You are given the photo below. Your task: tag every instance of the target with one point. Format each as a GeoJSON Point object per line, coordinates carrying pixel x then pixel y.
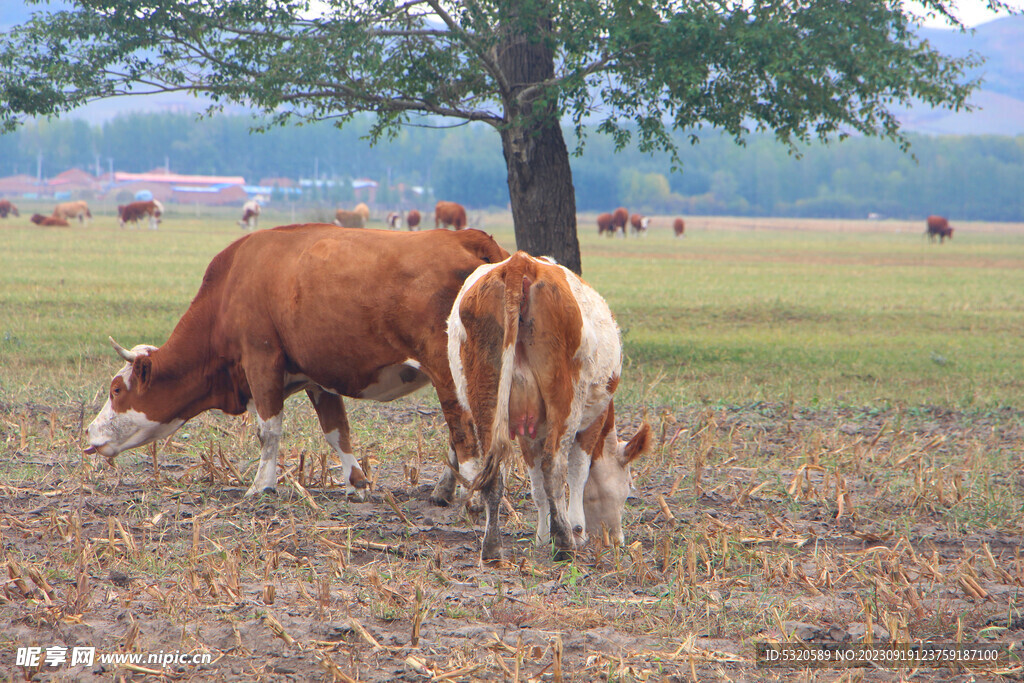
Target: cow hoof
{"type": "Point", "coordinates": [491, 553]}
{"type": "Point", "coordinates": [269, 490]}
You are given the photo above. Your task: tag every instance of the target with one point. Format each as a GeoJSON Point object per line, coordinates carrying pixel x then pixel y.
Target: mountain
{"type": "Point", "coordinates": [999, 101]}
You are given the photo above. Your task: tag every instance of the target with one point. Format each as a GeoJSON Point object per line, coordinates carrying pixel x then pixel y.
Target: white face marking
{"type": "Point", "coordinates": [112, 432]}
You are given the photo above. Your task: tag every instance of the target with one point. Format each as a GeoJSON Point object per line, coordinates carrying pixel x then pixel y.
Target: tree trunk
{"type": "Point", "coordinates": [539, 177]}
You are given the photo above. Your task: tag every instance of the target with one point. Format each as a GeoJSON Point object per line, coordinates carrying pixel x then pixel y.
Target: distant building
{"type": "Point", "coordinates": [20, 186]}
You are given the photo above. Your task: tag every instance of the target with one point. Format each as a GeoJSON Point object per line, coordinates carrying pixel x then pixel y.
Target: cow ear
{"type": "Point", "coordinates": [638, 445]}
{"type": "Point", "coordinates": [142, 371]}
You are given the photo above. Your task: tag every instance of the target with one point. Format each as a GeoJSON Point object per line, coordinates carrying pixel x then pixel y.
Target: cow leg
{"type": "Point", "coordinates": [330, 409]}
{"type": "Point", "coordinates": [269, 432]}
{"type": "Point", "coordinates": [578, 473]}
{"type": "Point", "coordinates": [462, 448]}
{"type": "Point", "coordinates": [540, 499]}
{"type": "Point", "coordinates": [554, 489]}
{"type": "Point", "coordinates": [491, 549]}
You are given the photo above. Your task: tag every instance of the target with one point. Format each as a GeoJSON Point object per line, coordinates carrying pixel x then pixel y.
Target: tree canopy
{"type": "Point", "coordinates": [801, 70]}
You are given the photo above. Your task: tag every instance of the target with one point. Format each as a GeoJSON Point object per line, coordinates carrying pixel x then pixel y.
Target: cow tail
{"type": "Point", "coordinates": [517, 286]}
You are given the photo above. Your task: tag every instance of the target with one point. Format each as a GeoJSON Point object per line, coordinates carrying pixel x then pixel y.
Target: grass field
{"type": "Point", "coordinates": [840, 442]}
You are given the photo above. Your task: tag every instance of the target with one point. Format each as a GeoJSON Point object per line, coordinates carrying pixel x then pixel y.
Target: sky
{"type": "Point", "coordinates": [971, 12]}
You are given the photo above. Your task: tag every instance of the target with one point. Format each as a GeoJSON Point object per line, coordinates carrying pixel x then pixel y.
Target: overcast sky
{"type": "Point", "coordinates": [971, 12]}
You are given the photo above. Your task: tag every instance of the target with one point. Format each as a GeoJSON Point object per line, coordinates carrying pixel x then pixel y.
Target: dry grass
{"type": "Point", "coordinates": [758, 523]}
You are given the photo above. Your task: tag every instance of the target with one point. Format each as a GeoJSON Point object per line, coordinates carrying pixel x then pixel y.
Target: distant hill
{"type": "Point", "coordinates": [1000, 100]}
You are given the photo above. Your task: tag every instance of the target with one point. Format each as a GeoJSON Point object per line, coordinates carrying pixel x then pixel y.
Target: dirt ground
{"type": "Point", "coordinates": [752, 524]}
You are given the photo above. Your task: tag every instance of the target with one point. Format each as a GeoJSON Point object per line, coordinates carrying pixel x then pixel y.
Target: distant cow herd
{"type": "Point", "coordinates": [447, 214]}
{"type": "Point", "coordinates": [619, 220]}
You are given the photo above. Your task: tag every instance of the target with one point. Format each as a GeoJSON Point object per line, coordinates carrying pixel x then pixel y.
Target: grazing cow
{"type": "Point", "coordinates": [679, 227]}
{"type": "Point", "coordinates": [412, 219]}
{"type": "Point", "coordinates": [349, 219]}
{"type": "Point", "coordinates": [604, 224]}
{"type": "Point", "coordinates": [250, 215]}
{"type": "Point", "coordinates": [639, 224]}
{"type": "Point", "coordinates": [393, 220]}
{"type": "Point", "coordinates": [536, 355]}
{"type": "Point", "coordinates": [450, 214]}
{"type": "Point", "coordinates": [619, 219]}
{"type": "Point", "coordinates": [357, 313]}
{"type": "Point", "coordinates": [77, 209]}
{"type": "Point", "coordinates": [363, 210]}
{"type": "Point", "coordinates": [54, 221]}
{"type": "Point", "coordinates": [937, 226]}
{"type": "Point", "coordinates": [6, 207]}
{"type": "Point", "coordinates": [135, 211]}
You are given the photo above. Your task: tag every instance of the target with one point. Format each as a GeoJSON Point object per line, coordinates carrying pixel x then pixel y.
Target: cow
{"type": "Point", "coordinates": [679, 227]}
{"type": "Point", "coordinates": [77, 209]}
{"type": "Point", "coordinates": [363, 210]}
{"type": "Point", "coordinates": [349, 219]}
{"type": "Point", "coordinates": [937, 226]}
{"type": "Point", "coordinates": [536, 356]}
{"type": "Point", "coordinates": [6, 207]}
{"type": "Point", "coordinates": [250, 215]}
{"type": "Point", "coordinates": [358, 313]}
{"type": "Point", "coordinates": [604, 224]}
{"type": "Point", "coordinates": [52, 221]}
{"type": "Point", "coordinates": [135, 211]}
{"type": "Point", "coordinates": [393, 220]}
{"type": "Point", "coordinates": [450, 214]}
{"type": "Point", "coordinates": [412, 219]}
{"type": "Point", "coordinates": [639, 224]}
{"type": "Point", "coordinates": [620, 217]}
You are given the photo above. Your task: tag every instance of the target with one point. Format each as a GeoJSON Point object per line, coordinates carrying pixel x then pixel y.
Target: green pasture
{"type": "Point", "coordinates": [727, 315]}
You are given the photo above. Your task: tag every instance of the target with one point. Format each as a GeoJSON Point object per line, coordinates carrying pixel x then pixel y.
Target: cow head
{"type": "Point", "coordinates": [124, 421]}
{"type": "Point", "coordinates": [611, 482]}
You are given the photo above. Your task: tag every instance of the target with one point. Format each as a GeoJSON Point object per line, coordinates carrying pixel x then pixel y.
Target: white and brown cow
{"type": "Point", "coordinates": [68, 210]}
{"type": "Point", "coordinates": [536, 356]}
{"type": "Point", "coordinates": [357, 313]}
{"type": "Point", "coordinates": [639, 223]}
{"type": "Point", "coordinates": [349, 219]}
{"type": "Point", "coordinates": [250, 215]}
{"type": "Point", "coordinates": [136, 211]}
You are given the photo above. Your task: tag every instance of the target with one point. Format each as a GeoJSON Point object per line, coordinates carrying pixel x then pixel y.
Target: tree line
{"type": "Point", "coordinates": [969, 177]}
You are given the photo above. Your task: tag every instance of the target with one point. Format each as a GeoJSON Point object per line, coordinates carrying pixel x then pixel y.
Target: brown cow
{"type": "Point", "coordinates": [6, 207]}
{"type": "Point", "coordinates": [450, 214]}
{"type": "Point", "coordinates": [937, 226]}
{"type": "Point", "coordinates": [77, 209]}
{"type": "Point", "coordinates": [136, 211]}
{"type": "Point", "coordinates": [604, 224]}
{"type": "Point", "coordinates": [619, 219]}
{"type": "Point", "coordinates": [357, 313]}
{"type": "Point", "coordinates": [679, 227]}
{"type": "Point", "coordinates": [639, 224]}
{"type": "Point", "coordinates": [412, 219]}
{"type": "Point", "coordinates": [535, 354]}
{"type": "Point", "coordinates": [363, 210]}
{"type": "Point", "coordinates": [54, 221]}
{"type": "Point", "coordinates": [349, 219]}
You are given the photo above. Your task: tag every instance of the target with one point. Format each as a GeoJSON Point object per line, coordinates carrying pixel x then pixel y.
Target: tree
{"type": "Point", "coordinates": [802, 70]}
